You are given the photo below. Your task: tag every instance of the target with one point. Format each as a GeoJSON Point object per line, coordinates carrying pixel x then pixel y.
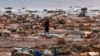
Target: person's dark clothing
{"type": "Point", "coordinates": [37, 53]}
{"type": "Point", "coordinates": [46, 25]}
{"type": "Point", "coordinates": [55, 52]}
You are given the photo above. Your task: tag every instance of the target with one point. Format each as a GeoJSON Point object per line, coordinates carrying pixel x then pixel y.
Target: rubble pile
{"type": "Point", "coordinates": [69, 36]}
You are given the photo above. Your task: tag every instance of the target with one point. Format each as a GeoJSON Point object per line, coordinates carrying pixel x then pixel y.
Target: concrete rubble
{"type": "Point", "coordinates": [71, 36]}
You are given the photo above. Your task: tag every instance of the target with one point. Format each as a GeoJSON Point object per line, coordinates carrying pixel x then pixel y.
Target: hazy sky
{"type": "Point", "coordinates": [39, 4]}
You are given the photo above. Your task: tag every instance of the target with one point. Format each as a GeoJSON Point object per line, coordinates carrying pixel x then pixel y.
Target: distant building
{"type": "Point", "coordinates": [8, 10]}
{"type": "Point", "coordinates": [45, 10]}
{"type": "Point", "coordinates": [59, 11]}
{"type": "Point", "coordinates": [83, 12]}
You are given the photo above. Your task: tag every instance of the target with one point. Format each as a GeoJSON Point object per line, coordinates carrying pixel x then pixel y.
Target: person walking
{"type": "Point", "coordinates": [46, 25]}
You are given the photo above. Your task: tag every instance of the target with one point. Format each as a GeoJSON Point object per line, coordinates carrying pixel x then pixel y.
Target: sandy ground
{"type": "Point", "coordinates": [5, 54]}
{"type": "Point", "coordinates": [7, 44]}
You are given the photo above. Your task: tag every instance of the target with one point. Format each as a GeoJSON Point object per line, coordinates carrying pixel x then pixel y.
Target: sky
{"type": "Point", "coordinates": [48, 4]}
